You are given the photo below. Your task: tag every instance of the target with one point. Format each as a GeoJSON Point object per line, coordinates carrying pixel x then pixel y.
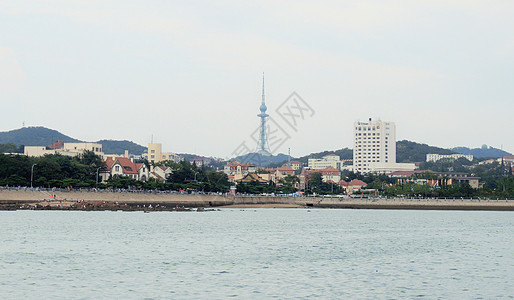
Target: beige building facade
{"type": "Point", "coordinates": [68, 149]}
{"type": "Point", "coordinates": [155, 154]}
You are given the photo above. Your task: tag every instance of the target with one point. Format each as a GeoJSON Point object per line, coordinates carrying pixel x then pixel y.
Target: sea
{"type": "Point", "coordinates": [257, 254]}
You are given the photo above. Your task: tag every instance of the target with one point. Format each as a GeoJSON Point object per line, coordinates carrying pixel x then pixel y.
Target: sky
{"type": "Point", "coordinates": [188, 74]}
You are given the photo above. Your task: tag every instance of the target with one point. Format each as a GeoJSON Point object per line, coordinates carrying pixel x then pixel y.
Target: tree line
{"type": "Point", "coordinates": [55, 170]}
{"type": "Point", "coordinates": [50, 170]}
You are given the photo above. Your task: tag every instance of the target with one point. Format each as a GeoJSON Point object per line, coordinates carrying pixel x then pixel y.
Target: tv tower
{"type": "Point", "coordinates": [262, 144]}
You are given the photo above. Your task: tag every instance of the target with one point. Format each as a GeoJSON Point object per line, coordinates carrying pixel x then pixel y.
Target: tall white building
{"type": "Point", "coordinates": [374, 144]}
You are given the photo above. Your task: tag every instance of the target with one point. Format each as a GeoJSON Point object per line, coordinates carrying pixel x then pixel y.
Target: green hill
{"type": "Point", "coordinates": [408, 152]}
{"type": "Point", "coordinates": [344, 153]}
{"type": "Point", "coordinates": [119, 147]}
{"type": "Point", "coordinates": [42, 136]}
{"type": "Point", "coordinates": [34, 136]}
{"type": "Point", "coordinates": [484, 152]}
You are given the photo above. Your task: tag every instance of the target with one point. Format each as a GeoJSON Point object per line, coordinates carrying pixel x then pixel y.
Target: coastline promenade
{"type": "Point", "coordinates": [11, 199]}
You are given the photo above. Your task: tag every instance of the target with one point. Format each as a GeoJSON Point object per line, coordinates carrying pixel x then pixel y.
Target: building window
{"type": "Point", "coordinates": [153, 151]}
{"type": "Point", "coordinates": [117, 168]}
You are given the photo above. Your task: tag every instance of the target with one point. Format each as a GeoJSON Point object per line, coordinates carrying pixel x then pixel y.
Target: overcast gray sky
{"type": "Point", "coordinates": [189, 72]}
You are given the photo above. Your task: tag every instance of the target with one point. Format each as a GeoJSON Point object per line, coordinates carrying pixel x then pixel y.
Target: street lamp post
{"type": "Point", "coordinates": [97, 169]}
{"type": "Point", "coordinates": [32, 174]}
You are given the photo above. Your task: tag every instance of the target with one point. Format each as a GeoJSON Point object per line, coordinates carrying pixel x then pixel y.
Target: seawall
{"type": "Point", "coordinates": [17, 197]}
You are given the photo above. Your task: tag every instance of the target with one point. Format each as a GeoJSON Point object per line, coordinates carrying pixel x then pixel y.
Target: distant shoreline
{"type": "Point", "coordinates": [127, 201]}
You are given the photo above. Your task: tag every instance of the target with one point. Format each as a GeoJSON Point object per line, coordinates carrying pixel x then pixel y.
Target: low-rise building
{"type": "Point", "coordinates": [353, 186]}
{"type": "Point", "coordinates": [236, 170]}
{"type": "Point", "coordinates": [200, 161]}
{"type": "Point", "coordinates": [67, 149]}
{"type": "Point", "coordinates": [154, 154]}
{"type": "Point", "coordinates": [161, 173]}
{"type": "Point", "coordinates": [250, 177]}
{"type": "Point", "coordinates": [330, 160]}
{"type": "Point", "coordinates": [384, 168]}
{"type": "Point", "coordinates": [296, 165]}
{"type": "Point", "coordinates": [328, 174]}
{"type": "Point", "coordinates": [283, 172]}
{"type": "Point", "coordinates": [123, 166]}
{"type": "Point", "coordinates": [437, 157]}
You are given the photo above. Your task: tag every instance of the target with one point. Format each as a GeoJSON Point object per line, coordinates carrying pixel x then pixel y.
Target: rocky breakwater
{"type": "Point", "coordinates": [106, 200]}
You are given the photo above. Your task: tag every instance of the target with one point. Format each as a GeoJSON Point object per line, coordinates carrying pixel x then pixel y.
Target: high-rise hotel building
{"type": "Point", "coordinates": [374, 144]}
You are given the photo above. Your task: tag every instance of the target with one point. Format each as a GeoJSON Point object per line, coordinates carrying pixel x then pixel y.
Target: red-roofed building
{"type": "Point", "coordinates": [161, 173]}
{"type": "Point", "coordinates": [330, 174]}
{"type": "Point", "coordinates": [296, 165]}
{"type": "Point", "coordinates": [238, 170]}
{"type": "Point", "coordinates": [122, 166]}
{"type": "Point", "coordinates": [284, 171]}
{"type": "Point", "coordinates": [327, 174]}
{"type": "Point", "coordinates": [353, 185]}
{"type": "Point", "coordinates": [57, 145]}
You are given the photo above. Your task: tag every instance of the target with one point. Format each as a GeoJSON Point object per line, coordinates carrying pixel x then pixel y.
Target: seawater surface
{"type": "Point", "coordinates": [257, 254]}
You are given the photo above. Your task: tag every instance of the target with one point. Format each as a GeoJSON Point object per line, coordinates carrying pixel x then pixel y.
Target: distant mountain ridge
{"type": "Point", "coordinates": [42, 136]}
{"type": "Point", "coordinates": [34, 136]}
{"type": "Point", "coordinates": [119, 147]}
{"type": "Point", "coordinates": [484, 152]}
{"type": "Point", "coordinates": [406, 152]}
{"type": "Point", "coordinates": [409, 152]}
{"type": "Point", "coordinates": [261, 160]}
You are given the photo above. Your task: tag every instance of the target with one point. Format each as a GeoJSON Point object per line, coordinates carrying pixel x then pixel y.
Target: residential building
{"type": "Point", "coordinates": [384, 168]}
{"type": "Point", "coordinates": [330, 160]}
{"type": "Point", "coordinates": [161, 173]}
{"type": "Point", "coordinates": [328, 174]}
{"type": "Point", "coordinates": [123, 166]}
{"type": "Point", "coordinates": [67, 149]}
{"type": "Point", "coordinates": [236, 170]}
{"type": "Point", "coordinates": [353, 186]}
{"type": "Point", "coordinates": [284, 171]}
{"type": "Point", "coordinates": [439, 178]}
{"type": "Point", "coordinates": [507, 160]}
{"type": "Point", "coordinates": [155, 154]}
{"type": "Point", "coordinates": [296, 165]}
{"type": "Point", "coordinates": [114, 156]}
{"type": "Point", "coordinates": [200, 161]}
{"type": "Point", "coordinates": [437, 157]}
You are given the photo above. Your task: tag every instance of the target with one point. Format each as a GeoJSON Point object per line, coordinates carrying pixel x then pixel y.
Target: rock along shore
{"type": "Point", "coordinates": [129, 201]}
